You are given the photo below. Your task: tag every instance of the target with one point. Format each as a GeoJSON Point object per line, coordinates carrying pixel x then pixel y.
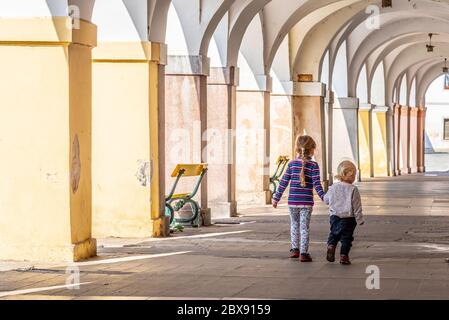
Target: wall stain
{"type": "Point", "coordinates": [143, 174]}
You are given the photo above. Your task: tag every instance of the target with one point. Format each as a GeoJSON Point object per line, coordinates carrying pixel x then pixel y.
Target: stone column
{"type": "Point", "coordinates": [253, 146]}
{"type": "Point", "coordinates": [45, 139]}
{"type": "Point", "coordinates": [345, 132]}
{"type": "Point", "coordinates": [366, 140]}
{"type": "Point", "coordinates": [379, 120]}
{"type": "Point", "coordinates": [127, 87]}
{"type": "Point", "coordinates": [421, 139]}
{"type": "Point", "coordinates": [221, 123]}
{"type": "Point", "coordinates": [309, 118]}
{"type": "Point", "coordinates": [186, 120]}
{"type": "Point", "coordinates": [329, 107]}
{"type": "Point", "coordinates": [413, 145]}
{"type": "Point", "coordinates": [404, 140]}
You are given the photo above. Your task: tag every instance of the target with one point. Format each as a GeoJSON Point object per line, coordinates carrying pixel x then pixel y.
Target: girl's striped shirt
{"type": "Point", "coordinates": [300, 196]}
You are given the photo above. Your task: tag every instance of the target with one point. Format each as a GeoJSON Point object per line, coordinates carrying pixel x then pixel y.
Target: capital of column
{"type": "Point", "coordinates": [346, 103]}
{"type": "Point", "coordinates": [366, 107]}
{"type": "Point", "coordinates": [130, 51]}
{"type": "Point", "coordinates": [224, 76]}
{"type": "Point", "coordinates": [381, 109]}
{"type": "Point", "coordinates": [44, 31]}
{"type": "Point", "coordinates": [188, 65]}
{"type": "Point", "coordinates": [263, 83]}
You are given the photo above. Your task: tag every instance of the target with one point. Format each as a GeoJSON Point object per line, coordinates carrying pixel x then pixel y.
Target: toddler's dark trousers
{"type": "Point", "coordinates": [342, 229]}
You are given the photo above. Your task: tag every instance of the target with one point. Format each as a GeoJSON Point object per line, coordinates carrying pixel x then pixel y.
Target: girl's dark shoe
{"type": "Point", "coordinates": [294, 253]}
{"type": "Point", "coordinates": [345, 260]}
{"type": "Point", "coordinates": [305, 257]}
{"type": "Point", "coordinates": [330, 253]}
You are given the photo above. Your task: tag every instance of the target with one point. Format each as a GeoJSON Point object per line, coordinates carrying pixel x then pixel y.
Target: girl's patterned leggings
{"type": "Point", "coordinates": [300, 227]}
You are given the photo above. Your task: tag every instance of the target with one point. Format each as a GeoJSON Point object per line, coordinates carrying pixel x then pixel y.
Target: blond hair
{"type": "Point", "coordinates": [304, 147]}
{"type": "Point", "coordinates": [346, 170]}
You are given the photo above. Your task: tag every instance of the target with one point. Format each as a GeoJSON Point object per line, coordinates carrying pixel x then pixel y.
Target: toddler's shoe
{"type": "Point", "coordinates": [330, 253]}
{"type": "Point", "coordinates": [305, 257]}
{"type": "Point", "coordinates": [344, 260]}
{"type": "Point", "coordinates": [294, 253]}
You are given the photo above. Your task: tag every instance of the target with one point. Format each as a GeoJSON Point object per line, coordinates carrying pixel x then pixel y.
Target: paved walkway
{"type": "Point", "coordinates": [406, 237]}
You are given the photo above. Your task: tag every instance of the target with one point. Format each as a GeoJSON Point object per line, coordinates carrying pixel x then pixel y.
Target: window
{"type": "Point", "coordinates": [446, 129]}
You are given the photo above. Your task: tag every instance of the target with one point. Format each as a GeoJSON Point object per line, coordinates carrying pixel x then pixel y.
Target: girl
{"type": "Point", "coordinates": [303, 174]}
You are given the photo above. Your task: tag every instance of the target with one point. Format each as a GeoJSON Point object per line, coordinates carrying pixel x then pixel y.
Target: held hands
{"type": "Point", "coordinates": [274, 203]}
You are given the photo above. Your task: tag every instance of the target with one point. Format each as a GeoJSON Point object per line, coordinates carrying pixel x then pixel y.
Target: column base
{"type": "Point", "coordinates": [414, 170]}
{"type": "Point", "coordinates": [421, 169]}
{"type": "Point", "coordinates": [206, 217]}
{"type": "Point", "coordinates": [268, 197]}
{"type": "Point", "coordinates": [161, 227]}
{"type": "Point", "coordinates": [85, 249]}
{"type": "Point", "coordinates": [223, 210]}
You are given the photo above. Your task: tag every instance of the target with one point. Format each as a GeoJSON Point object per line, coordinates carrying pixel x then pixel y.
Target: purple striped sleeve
{"type": "Point", "coordinates": [316, 178]}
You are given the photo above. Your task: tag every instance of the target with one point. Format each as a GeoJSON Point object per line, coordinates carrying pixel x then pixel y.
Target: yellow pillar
{"type": "Point", "coordinates": [124, 96]}
{"type": "Point", "coordinates": [157, 140]}
{"type": "Point", "coordinates": [365, 141]}
{"type": "Point", "coordinates": [380, 141]}
{"type": "Point", "coordinates": [421, 141]}
{"type": "Point", "coordinates": [45, 139]}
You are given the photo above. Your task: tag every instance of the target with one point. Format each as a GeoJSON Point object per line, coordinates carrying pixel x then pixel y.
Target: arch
{"type": "Point", "coordinates": [280, 71]}
{"type": "Point", "coordinates": [412, 94]}
{"type": "Point", "coordinates": [157, 19]}
{"type": "Point", "coordinates": [199, 21]}
{"type": "Point", "coordinates": [316, 31]}
{"type": "Point", "coordinates": [362, 86]}
{"type": "Point", "coordinates": [340, 73]}
{"type": "Point", "coordinates": [325, 67]}
{"type": "Point", "coordinates": [390, 31]}
{"type": "Point", "coordinates": [121, 20]}
{"type": "Point", "coordinates": [251, 52]}
{"type": "Point", "coordinates": [427, 78]}
{"type": "Point", "coordinates": [403, 90]}
{"type": "Point", "coordinates": [175, 37]}
{"type": "Point", "coordinates": [377, 86]}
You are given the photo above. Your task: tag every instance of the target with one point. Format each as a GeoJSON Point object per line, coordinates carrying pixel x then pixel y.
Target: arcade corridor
{"type": "Point", "coordinates": [107, 104]}
{"type": "Point", "coordinates": [406, 236]}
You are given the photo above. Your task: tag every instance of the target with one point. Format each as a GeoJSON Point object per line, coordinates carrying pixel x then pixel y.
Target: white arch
{"type": "Point", "coordinates": [362, 86]}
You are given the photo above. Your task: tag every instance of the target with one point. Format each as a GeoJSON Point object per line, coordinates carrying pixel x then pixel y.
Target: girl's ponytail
{"type": "Point", "coordinates": [304, 148]}
{"type": "Point", "coordinates": [303, 168]}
